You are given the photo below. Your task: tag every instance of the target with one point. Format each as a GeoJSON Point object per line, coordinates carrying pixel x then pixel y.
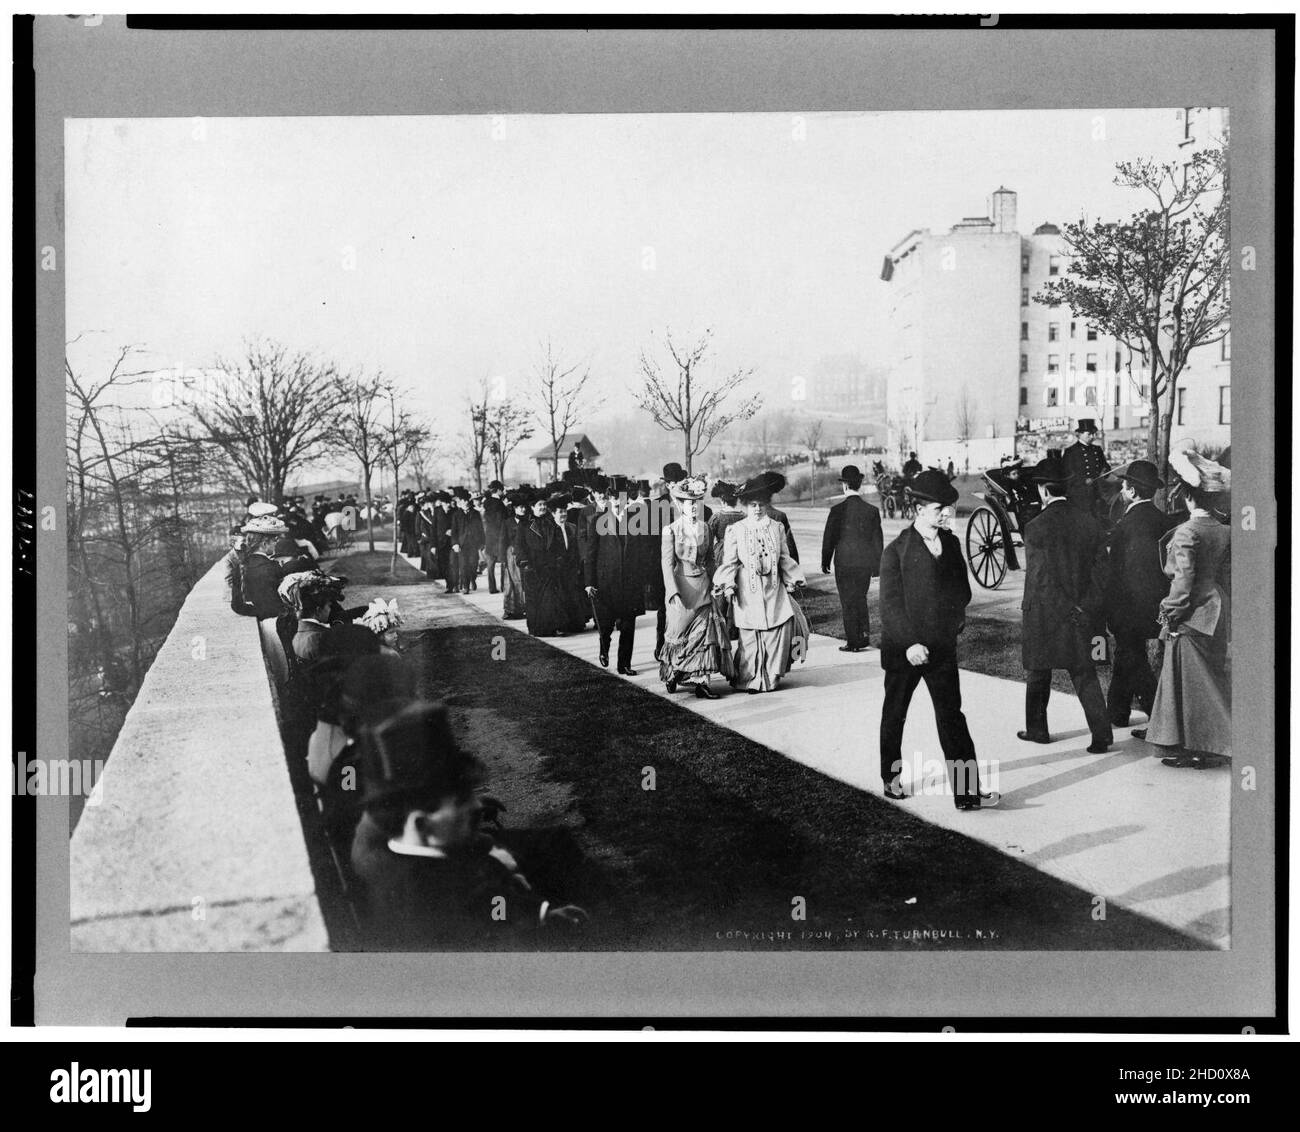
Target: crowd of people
{"type": "Point", "coordinates": [597, 551]}
{"type": "Point", "coordinates": [403, 804]}
{"type": "Point", "coordinates": [400, 802]}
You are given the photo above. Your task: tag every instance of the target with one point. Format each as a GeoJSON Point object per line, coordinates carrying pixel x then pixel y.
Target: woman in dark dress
{"type": "Point", "coordinates": [547, 551]}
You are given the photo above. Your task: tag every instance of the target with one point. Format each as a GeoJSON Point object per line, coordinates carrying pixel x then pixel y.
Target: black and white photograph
{"type": "Point", "coordinates": [782, 531]}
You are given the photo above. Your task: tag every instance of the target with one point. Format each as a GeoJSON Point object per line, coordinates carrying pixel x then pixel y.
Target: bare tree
{"type": "Point", "coordinates": [356, 429]}
{"type": "Point", "coordinates": [271, 414]}
{"type": "Point", "coordinates": [771, 430]}
{"type": "Point", "coordinates": [401, 438]}
{"type": "Point", "coordinates": [684, 402]}
{"type": "Point", "coordinates": [476, 440]}
{"type": "Point", "coordinates": [966, 415]}
{"type": "Point", "coordinates": [507, 427]}
{"type": "Point", "coordinates": [1157, 282]}
{"type": "Point", "coordinates": [560, 398]}
{"type": "Point", "coordinates": [811, 438]}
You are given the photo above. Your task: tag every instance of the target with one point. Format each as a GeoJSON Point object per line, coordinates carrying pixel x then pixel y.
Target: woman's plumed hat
{"type": "Point", "coordinates": [559, 499]}
{"type": "Point", "coordinates": [693, 487]}
{"type": "Point", "coordinates": [265, 525]}
{"type": "Point", "coordinates": [763, 485]}
{"type": "Point", "coordinates": [1199, 471]}
{"type": "Point", "coordinates": [725, 491]}
{"type": "Point", "coordinates": [934, 487]}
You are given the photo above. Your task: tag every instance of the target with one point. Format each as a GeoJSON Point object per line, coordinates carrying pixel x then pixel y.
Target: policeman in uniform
{"type": "Point", "coordinates": [1085, 464]}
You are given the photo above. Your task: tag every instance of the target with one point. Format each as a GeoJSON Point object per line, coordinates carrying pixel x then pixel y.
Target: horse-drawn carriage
{"type": "Point", "coordinates": [895, 496]}
{"type": "Point", "coordinates": [995, 528]}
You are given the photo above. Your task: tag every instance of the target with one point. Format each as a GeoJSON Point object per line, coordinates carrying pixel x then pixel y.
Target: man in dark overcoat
{"type": "Point", "coordinates": [1063, 607]}
{"type": "Point", "coordinates": [441, 533]}
{"type": "Point", "coordinates": [616, 567]}
{"type": "Point", "coordinates": [495, 514]}
{"type": "Point", "coordinates": [1085, 464]}
{"type": "Point", "coordinates": [853, 541]}
{"type": "Point", "coordinates": [1136, 588]}
{"type": "Point", "coordinates": [924, 591]}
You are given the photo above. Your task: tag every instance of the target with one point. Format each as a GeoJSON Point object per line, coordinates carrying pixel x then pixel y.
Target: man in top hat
{"type": "Point", "coordinates": [429, 876]}
{"type": "Point", "coordinates": [494, 523]}
{"type": "Point", "coordinates": [1063, 606]}
{"type": "Point", "coordinates": [1085, 464]}
{"type": "Point", "coordinates": [853, 540]}
{"type": "Point", "coordinates": [1137, 587]}
{"type": "Point", "coordinates": [924, 592]}
{"type": "Point", "coordinates": [616, 565]}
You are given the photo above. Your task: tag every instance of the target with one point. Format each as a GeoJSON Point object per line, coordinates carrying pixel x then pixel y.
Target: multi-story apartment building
{"type": "Point", "coordinates": [974, 360]}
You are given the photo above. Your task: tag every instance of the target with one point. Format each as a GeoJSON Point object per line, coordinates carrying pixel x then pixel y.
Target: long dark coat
{"type": "Point", "coordinates": [1084, 464]}
{"type": "Point", "coordinates": [260, 580]}
{"type": "Point", "coordinates": [782, 518]}
{"type": "Point", "coordinates": [1137, 583]}
{"type": "Point", "coordinates": [923, 599]}
{"type": "Point", "coordinates": [1065, 570]}
{"type": "Point", "coordinates": [495, 514]}
{"type": "Point", "coordinates": [853, 539]}
{"type": "Point", "coordinates": [553, 597]}
{"type": "Point", "coordinates": [618, 565]}
{"type": "Point", "coordinates": [426, 525]}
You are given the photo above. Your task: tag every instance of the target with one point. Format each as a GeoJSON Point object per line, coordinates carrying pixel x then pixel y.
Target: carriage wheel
{"type": "Point", "coordinates": [984, 548]}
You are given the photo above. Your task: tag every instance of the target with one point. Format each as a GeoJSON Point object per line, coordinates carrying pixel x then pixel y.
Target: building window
{"type": "Point", "coordinates": [1053, 331]}
{"type": "Point", "coordinates": [1072, 326]}
{"type": "Point", "coordinates": [1142, 392]}
{"type": "Point", "coordinates": [1024, 265]}
{"type": "Point", "coordinates": [1053, 363]}
{"type": "Point", "coordinates": [1051, 398]}
{"type": "Point", "coordinates": [1089, 395]}
{"type": "Point", "coordinates": [1117, 361]}
{"type": "Point", "coordinates": [1024, 296]}
{"type": "Point", "coordinates": [1144, 422]}
{"type": "Point", "coordinates": [1091, 363]}
{"type": "Point", "coordinates": [1187, 123]}
{"type": "Point", "coordinates": [1071, 397]}
{"type": "Point", "coordinates": [1054, 265]}
{"type": "Point", "coordinates": [1024, 363]}
{"type": "Point", "coordinates": [1024, 332]}
{"type": "Point", "coordinates": [1182, 404]}
{"type": "Point", "coordinates": [1225, 349]}
{"type": "Point", "coordinates": [1117, 400]}
{"type": "Point", "coordinates": [1225, 404]}
{"type": "Point", "coordinates": [1092, 334]}
{"type": "Point", "coordinates": [1024, 395]}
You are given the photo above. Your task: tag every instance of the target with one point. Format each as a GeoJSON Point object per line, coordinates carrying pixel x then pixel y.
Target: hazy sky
{"type": "Point", "coordinates": [474, 238]}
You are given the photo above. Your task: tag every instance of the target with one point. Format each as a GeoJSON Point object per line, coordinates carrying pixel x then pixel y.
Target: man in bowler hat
{"type": "Point", "coordinates": [924, 591]}
{"type": "Point", "coordinates": [854, 541]}
{"type": "Point", "coordinates": [1065, 584]}
{"type": "Point", "coordinates": [1137, 587]}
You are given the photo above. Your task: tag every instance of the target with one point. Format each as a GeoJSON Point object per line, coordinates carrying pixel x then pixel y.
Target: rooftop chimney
{"type": "Point", "coordinates": [1002, 208]}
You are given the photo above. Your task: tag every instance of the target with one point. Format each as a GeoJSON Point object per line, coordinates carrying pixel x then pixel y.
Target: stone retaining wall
{"type": "Point", "coordinates": [196, 844]}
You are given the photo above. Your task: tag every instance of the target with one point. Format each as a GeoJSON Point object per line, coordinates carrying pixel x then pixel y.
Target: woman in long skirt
{"type": "Point", "coordinates": [547, 552]}
{"type": "Point", "coordinates": [1192, 709]}
{"type": "Point", "coordinates": [695, 634]}
{"type": "Point", "coordinates": [512, 584]}
{"type": "Point", "coordinates": [757, 574]}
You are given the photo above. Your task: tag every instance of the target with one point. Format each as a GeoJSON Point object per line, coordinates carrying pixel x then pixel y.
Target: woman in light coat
{"type": "Point", "coordinates": [1192, 709]}
{"type": "Point", "coordinates": [758, 574]}
{"type": "Point", "coordinates": [695, 635]}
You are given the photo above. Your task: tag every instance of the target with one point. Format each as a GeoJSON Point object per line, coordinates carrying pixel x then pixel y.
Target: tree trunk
{"type": "Point", "coordinates": [1167, 426]}
{"type": "Point", "coordinates": [370, 511]}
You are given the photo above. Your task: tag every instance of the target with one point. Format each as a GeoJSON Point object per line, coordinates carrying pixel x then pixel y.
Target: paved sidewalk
{"type": "Point", "coordinates": [1119, 825]}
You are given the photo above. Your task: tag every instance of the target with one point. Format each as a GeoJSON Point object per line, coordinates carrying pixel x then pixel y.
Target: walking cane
{"type": "Point", "coordinates": [592, 602]}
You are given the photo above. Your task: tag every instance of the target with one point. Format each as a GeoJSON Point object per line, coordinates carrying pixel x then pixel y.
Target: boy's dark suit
{"type": "Point", "coordinates": [923, 601]}
{"type": "Point", "coordinates": [1065, 581]}
{"type": "Point", "coordinates": [854, 541]}
{"type": "Point", "coordinates": [1137, 585]}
